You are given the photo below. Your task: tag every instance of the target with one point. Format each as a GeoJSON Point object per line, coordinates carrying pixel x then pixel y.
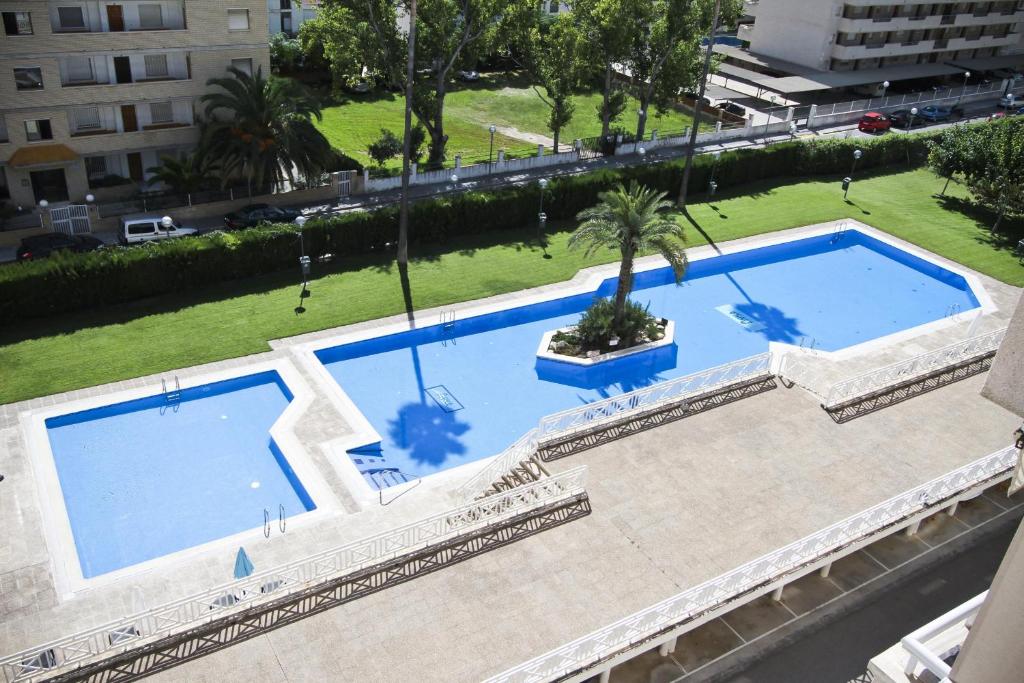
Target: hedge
{"type": "Point", "coordinates": [71, 282]}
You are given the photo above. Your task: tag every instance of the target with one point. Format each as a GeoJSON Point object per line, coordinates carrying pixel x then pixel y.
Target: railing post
{"type": "Point", "coordinates": [668, 647]}
{"type": "Point", "coordinates": [825, 571]}
{"type": "Point", "coordinates": [913, 528]}
{"type": "Point", "coordinates": [777, 593]}
{"type": "Point", "coordinates": [540, 150]}
{"type": "Point", "coordinates": [951, 510]}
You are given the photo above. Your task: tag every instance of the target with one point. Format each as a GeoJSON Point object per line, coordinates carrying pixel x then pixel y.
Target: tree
{"type": "Point", "coordinates": [191, 173]}
{"type": "Point", "coordinates": [554, 57]}
{"type": "Point", "coordinates": [285, 52]}
{"type": "Point", "coordinates": [356, 37]}
{"type": "Point", "coordinates": [608, 32]}
{"type": "Point", "coordinates": [991, 159]}
{"type": "Point", "coordinates": [385, 147]}
{"type": "Point", "coordinates": [632, 222]}
{"type": "Point", "coordinates": [262, 129]}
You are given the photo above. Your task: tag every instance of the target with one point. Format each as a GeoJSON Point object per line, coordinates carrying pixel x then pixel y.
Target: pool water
{"type": "Point", "coordinates": [149, 477]}
{"type": "Point", "coordinates": [441, 397]}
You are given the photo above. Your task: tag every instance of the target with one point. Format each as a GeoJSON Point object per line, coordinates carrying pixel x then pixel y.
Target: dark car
{"type": "Point", "coordinates": [732, 108]}
{"type": "Point", "coordinates": [254, 214]}
{"type": "Point", "coordinates": [41, 246]}
{"type": "Point", "coordinates": [900, 118]}
{"type": "Point", "coordinates": [935, 114]}
{"type": "Point", "coordinates": [693, 97]}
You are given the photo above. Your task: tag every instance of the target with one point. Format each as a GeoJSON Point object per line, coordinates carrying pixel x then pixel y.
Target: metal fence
{"type": "Point", "coordinates": [616, 408]}
{"type": "Point", "coordinates": [910, 99]}
{"type": "Point", "coordinates": [130, 632]}
{"type": "Point", "coordinates": [762, 573]}
{"type": "Point", "coordinates": [914, 368]}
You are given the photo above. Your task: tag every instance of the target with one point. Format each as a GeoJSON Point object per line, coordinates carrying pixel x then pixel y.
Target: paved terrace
{"type": "Point", "coordinates": [671, 507]}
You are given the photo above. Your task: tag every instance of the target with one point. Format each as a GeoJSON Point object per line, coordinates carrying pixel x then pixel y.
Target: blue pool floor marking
{"type": "Point", "coordinates": [745, 321]}
{"type": "Point", "coordinates": [444, 398]}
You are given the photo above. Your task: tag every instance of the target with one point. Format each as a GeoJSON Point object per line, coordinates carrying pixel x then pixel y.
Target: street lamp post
{"type": "Point", "coordinates": [849, 179]}
{"type": "Point", "coordinates": [455, 181]}
{"type": "Point", "coordinates": [913, 113]}
{"type": "Point", "coordinates": [712, 185]}
{"type": "Point", "coordinates": [542, 218]}
{"type": "Point", "coordinates": [490, 152]}
{"type": "Point", "coordinates": [967, 74]}
{"type": "Point", "coordinates": [885, 87]}
{"type": "Point", "coordinates": [303, 259]}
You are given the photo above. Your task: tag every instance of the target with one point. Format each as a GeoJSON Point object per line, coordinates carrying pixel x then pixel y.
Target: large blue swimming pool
{"type": "Point", "coordinates": [441, 397]}
{"type": "Point", "coordinates": [149, 477]}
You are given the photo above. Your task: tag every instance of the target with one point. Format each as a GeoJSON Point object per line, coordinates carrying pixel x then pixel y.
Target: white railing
{"type": "Point", "coordinates": [759, 574]}
{"type": "Point", "coordinates": [913, 368]}
{"type": "Point", "coordinates": [616, 408]}
{"type": "Point", "coordinates": [129, 632]}
{"type": "Point", "coordinates": [501, 464]}
{"type": "Point", "coordinates": [907, 100]}
{"type": "Point", "coordinates": [916, 643]}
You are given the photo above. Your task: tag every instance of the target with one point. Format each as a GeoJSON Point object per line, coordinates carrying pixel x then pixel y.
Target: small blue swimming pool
{"type": "Point", "coordinates": [442, 396]}
{"type": "Point", "coordinates": [149, 477]}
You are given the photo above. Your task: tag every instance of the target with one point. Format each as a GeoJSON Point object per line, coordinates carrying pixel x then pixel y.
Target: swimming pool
{"type": "Point", "coordinates": [151, 476]}
{"type": "Point", "coordinates": [442, 396]}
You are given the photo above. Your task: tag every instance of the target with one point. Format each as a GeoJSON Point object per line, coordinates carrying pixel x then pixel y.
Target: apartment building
{"type": "Point", "coordinates": [287, 16]}
{"type": "Point", "coordinates": [854, 35]}
{"type": "Point", "coordinates": [93, 93]}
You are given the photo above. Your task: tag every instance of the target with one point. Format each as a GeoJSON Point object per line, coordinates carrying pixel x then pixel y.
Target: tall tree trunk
{"type": "Point", "coordinates": [624, 286]}
{"type": "Point", "coordinates": [946, 186]}
{"type": "Point", "coordinates": [681, 202]}
{"type": "Point", "coordinates": [641, 123]}
{"type": "Point", "coordinates": [999, 219]}
{"type": "Point", "coordinates": [438, 139]}
{"type": "Point", "coordinates": [410, 73]}
{"type": "Point", "coordinates": [606, 119]}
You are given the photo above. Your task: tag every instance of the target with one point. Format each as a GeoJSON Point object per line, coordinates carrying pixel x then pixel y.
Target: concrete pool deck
{"type": "Point", "coordinates": [671, 507]}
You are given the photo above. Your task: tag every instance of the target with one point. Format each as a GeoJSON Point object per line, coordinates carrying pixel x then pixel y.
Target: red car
{"type": "Point", "coordinates": [873, 122]}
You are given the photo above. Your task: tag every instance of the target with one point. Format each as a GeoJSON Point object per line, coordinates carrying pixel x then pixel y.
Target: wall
{"type": "Point", "coordinates": [797, 31]}
{"type": "Point", "coordinates": [993, 652]}
{"type": "Point", "coordinates": [1005, 381]}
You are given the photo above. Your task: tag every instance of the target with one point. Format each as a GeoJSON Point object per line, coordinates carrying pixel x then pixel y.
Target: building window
{"type": "Point", "coordinates": [17, 23]}
{"type": "Point", "coordinates": [80, 70]}
{"type": "Point", "coordinates": [238, 20]}
{"type": "Point", "coordinates": [28, 78]}
{"type": "Point", "coordinates": [87, 118]}
{"type": "Point", "coordinates": [156, 66]}
{"type": "Point", "coordinates": [95, 167]}
{"type": "Point", "coordinates": [3, 130]}
{"type": "Point", "coordinates": [71, 18]}
{"type": "Point", "coordinates": [161, 112]}
{"type": "Point", "coordinates": [38, 130]}
{"type": "Point", "coordinates": [151, 16]}
{"type": "Point", "coordinates": [243, 65]}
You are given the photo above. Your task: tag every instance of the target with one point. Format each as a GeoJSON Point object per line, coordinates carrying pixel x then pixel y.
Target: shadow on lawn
{"type": "Point", "coordinates": [1011, 231]}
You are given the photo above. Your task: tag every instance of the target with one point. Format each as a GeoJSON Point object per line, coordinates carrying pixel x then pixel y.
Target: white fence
{"type": "Point", "coordinates": [913, 368]}
{"type": "Point", "coordinates": [618, 407]}
{"type": "Point", "coordinates": [708, 138]}
{"type": "Point", "coordinates": [761, 574]}
{"type": "Point", "coordinates": [500, 165]}
{"type": "Point", "coordinates": [174, 617]}
{"type": "Point", "coordinates": [502, 464]}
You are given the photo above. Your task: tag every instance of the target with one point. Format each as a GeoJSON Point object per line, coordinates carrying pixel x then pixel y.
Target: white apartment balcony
{"type": "Point", "coordinates": [87, 70]}
{"type": "Point", "coordinates": [896, 23]}
{"type": "Point", "coordinates": [127, 15]}
{"type": "Point", "coordinates": [130, 118]}
{"type": "Point", "coordinates": [896, 49]}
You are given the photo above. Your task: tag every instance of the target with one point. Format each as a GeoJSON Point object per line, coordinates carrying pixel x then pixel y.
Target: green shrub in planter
{"type": "Point", "coordinates": [595, 329]}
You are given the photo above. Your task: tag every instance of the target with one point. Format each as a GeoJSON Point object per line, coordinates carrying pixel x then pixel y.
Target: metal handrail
{"type": "Point", "coordinates": [590, 415]}
{"type": "Point", "coordinates": [915, 646]}
{"type": "Point", "coordinates": [286, 579]}
{"type": "Point", "coordinates": [762, 572]}
{"type": "Point", "coordinates": [913, 368]}
{"type": "Point", "coordinates": [523, 449]}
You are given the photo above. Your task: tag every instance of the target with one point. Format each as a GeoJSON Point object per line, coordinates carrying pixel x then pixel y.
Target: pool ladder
{"type": "Point", "coordinates": [953, 311]}
{"type": "Point", "coordinates": [172, 395]}
{"type": "Point", "coordinates": [448, 325]}
{"type": "Point", "coordinates": [281, 523]}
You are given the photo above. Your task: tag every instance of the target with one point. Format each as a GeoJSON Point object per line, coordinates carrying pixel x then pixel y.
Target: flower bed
{"type": "Point", "coordinates": [556, 345]}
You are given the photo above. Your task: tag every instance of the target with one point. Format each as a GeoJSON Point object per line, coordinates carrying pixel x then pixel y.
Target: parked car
{"type": "Point", "coordinates": [935, 114]}
{"type": "Point", "coordinates": [692, 96]}
{"type": "Point", "coordinates": [148, 228]}
{"type": "Point", "coordinates": [254, 214]}
{"type": "Point", "coordinates": [995, 116]}
{"type": "Point", "coordinates": [874, 122]}
{"type": "Point", "coordinates": [468, 75]}
{"type": "Point", "coordinates": [731, 107]}
{"type": "Point", "coordinates": [1008, 101]}
{"type": "Point", "coordinates": [41, 246]}
{"type": "Point", "coordinates": [1019, 112]}
{"type": "Point", "coordinates": [900, 118]}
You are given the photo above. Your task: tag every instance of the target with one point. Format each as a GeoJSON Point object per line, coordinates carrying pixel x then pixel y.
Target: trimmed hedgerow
{"type": "Point", "coordinates": [71, 282]}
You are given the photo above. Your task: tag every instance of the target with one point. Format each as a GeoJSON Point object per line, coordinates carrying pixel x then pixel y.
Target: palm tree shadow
{"type": "Point", "coordinates": [692, 221]}
{"type": "Point", "coordinates": [428, 432]}
{"type": "Point", "coordinates": [772, 322]}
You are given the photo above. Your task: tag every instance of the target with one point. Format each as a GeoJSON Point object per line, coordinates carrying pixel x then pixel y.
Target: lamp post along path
{"type": "Point", "coordinates": [701, 87]}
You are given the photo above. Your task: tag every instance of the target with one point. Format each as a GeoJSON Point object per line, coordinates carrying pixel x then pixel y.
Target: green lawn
{"type": "Point", "coordinates": [504, 100]}
{"type": "Point", "coordinates": [238, 318]}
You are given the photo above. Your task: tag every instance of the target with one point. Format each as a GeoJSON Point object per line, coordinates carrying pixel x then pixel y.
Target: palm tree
{"type": "Point", "coordinates": [631, 221]}
{"type": "Point", "coordinates": [186, 175]}
{"type": "Point", "coordinates": [263, 128]}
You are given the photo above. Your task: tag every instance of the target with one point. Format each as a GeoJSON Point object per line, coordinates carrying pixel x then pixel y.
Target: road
{"type": "Point", "coordinates": [839, 652]}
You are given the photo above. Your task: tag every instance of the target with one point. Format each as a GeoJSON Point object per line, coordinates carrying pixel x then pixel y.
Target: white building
{"type": "Point", "coordinates": [287, 16]}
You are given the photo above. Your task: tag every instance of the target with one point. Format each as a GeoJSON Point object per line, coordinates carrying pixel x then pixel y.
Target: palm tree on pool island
{"type": "Point", "coordinates": [634, 222]}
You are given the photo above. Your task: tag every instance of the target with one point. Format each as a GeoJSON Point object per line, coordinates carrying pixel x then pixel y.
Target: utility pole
{"type": "Point", "coordinates": [403, 211]}
{"type": "Point", "coordinates": [681, 203]}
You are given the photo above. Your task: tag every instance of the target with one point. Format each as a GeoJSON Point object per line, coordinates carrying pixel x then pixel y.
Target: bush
{"type": "Point", "coordinates": [385, 147]}
{"type": "Point", "coordinates": [595, 328]}
{"type": "Point", "coordinates": [70, 282]}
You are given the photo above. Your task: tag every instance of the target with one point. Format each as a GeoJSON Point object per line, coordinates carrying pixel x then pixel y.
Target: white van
{"type": "Point", "coordinates": [139, 228]}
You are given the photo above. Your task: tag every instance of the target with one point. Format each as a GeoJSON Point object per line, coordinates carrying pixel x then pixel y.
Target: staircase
{"type": "Point", "coordinates": [524, 472]}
